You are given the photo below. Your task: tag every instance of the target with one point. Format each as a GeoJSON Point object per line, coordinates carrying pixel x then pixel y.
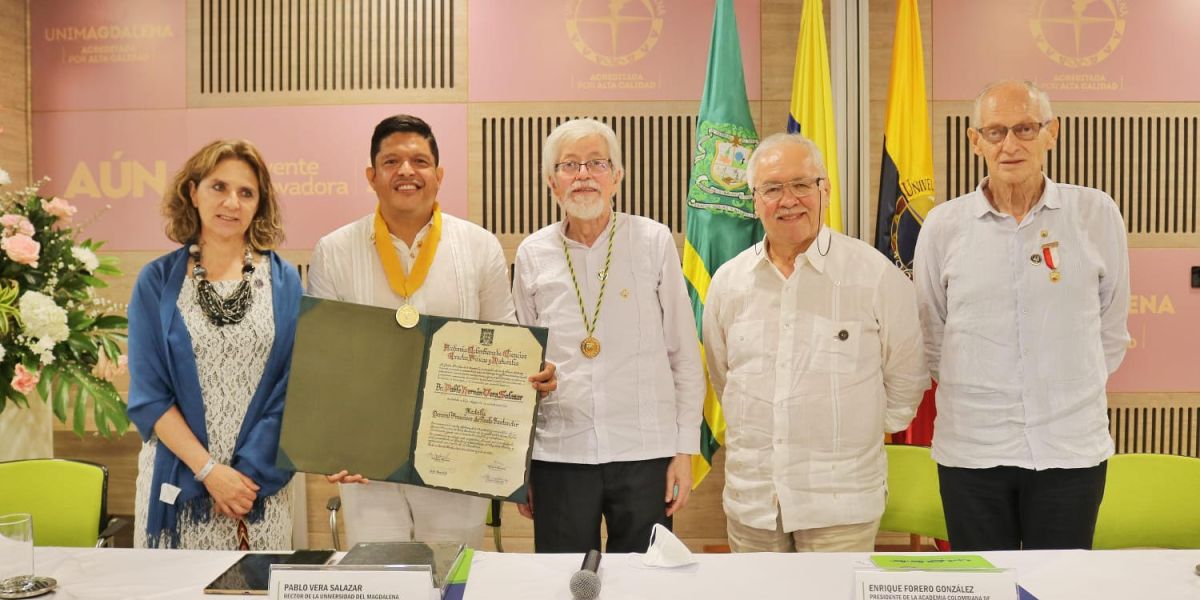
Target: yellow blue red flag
{"type": "Point", "coordinates": [811, 111]}
{"type": "Point", "coordinates": [906, 175]}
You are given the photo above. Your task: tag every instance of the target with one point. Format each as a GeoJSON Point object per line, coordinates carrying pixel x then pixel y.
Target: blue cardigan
{"type": "Point", "coordinates": [163, 374]}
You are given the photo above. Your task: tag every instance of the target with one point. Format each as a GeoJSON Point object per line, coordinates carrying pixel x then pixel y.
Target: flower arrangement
{"type": "Point", "coordinates": [56, 336]}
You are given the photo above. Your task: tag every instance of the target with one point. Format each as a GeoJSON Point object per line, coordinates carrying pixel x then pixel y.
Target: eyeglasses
{"type": "Point", "coordinates": [994, 134]}
{"type": "Point", "coordinates": [800, 188]}
{"type": "Point", "coordinates": [594, 166]}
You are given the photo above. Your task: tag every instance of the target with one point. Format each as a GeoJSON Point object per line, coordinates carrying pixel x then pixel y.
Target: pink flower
{"type": "Point", "coordinates": [21, 248]}
{"type": "Point", "coordinates": [59, 208]}
{"type": "Point", "coordinates": [16, 224]}
{"type": "Point", "coordinates": [25, 380]}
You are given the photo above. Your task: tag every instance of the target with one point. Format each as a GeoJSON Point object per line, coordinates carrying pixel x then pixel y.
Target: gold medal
{"type": "Point", "coordinates": [1054, 276]}
{"type": "Point", "coordinates": [402, 284]}
{"type": "Point", "coordinates": [407, 316]}
{"type": "Point", "coordinates": [590, 346]}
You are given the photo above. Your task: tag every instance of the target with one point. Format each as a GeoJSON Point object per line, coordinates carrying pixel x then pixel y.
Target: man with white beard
{"type": "Point", "coordinates": [615, 441]}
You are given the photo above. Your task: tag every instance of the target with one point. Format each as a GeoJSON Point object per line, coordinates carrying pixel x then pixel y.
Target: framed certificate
{"type": "Point", "coordinates": [446, 404]}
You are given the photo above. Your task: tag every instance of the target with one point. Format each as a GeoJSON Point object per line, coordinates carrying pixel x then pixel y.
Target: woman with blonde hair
{"type": "Point", "coordinates": [211, 327]}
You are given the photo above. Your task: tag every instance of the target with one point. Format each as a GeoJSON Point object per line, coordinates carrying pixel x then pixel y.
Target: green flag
{"type": "Point", "coordinates": [720, 209]}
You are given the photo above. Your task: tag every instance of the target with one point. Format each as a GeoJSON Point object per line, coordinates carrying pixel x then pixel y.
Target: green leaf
{"type": "Point", "coordinates": [61, 390]}
{"type": "Point", "coordinates": [112, 322]}
{"type": "Point", "coordinates": [109, 409]}
{"type": "Point", "coordinates": [79, 396]}
{"type": "Point", "coordinates": [108, 263]}
{"type": "Point", "coordinates": [43, 384]}
{"type": "Point", "coordinates": [93, 281]}
{"type": "Point", "coordinates": [101, 419]}
{"type": "Point", "coordinates": [110, 348]}
{"type": "Point", "coordinates": [81, 344]}
{"type": "Point", "coordinates": [78, 319]}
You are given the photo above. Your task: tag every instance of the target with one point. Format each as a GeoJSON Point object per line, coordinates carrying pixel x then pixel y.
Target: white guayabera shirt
{"type": "Point", "coordinates": [812, 370]}
{"type": "Point", "coordinates": [641, 397]}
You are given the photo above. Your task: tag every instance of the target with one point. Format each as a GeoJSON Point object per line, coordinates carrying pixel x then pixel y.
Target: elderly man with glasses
{"type": "Point", "coordinates": [615, 441]}
{"type": "Point", "coordinates": [1023, 287]}
{"type": "Point", "coordinates": [814, 347]}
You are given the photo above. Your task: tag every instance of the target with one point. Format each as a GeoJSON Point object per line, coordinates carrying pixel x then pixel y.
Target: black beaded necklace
{"type": "Point", "coordinates": [222, 311]}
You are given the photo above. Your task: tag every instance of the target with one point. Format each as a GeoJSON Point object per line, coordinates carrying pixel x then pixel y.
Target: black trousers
{"type": "Point", "coordinates": [570, 499]}
{"type": "Point", "coordinates": [1010, 508]}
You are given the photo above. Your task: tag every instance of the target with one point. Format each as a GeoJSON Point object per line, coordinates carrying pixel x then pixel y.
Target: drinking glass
{"type": "Point", "coordinates": [16, 551]}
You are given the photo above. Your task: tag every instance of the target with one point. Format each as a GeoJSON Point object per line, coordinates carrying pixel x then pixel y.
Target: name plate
{"type": "Point", "coordinates": [990, 584]}
{"type": "Point", "coordinates": [332, 582]}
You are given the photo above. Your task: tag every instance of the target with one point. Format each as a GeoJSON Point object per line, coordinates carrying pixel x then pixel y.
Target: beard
{"type": "Point", "coordinates": [584, 210]}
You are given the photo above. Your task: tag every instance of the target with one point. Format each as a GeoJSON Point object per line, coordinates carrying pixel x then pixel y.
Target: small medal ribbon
{"type": "Point", "coordinates": [1050, 255]}
{"type": "Point", "coordinates": [407, 285]}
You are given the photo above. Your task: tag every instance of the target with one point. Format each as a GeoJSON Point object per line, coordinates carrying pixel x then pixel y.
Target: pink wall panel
{"type": "Point", "coordinates": [596, 50]}
{"type": "Point", "coordinates": [1125, 50]}
{"type": "Point", "coordinates": [1164, 314]}
{"type": "Point", "coordinates": [114, 165]}
{"type": "Point", "coordinates": [107, 54]}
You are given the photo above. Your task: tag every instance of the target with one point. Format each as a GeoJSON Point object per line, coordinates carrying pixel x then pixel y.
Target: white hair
{"type": "Point", "coordinates": [573, 131]}
{"type": "Point", "coordinates": [1037, 97]}
{"type": "Point", "coordinates": [784, 139]}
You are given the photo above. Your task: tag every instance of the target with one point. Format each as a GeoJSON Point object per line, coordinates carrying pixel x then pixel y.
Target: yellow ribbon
{"type": "Point", "coordinates": [407, 285]}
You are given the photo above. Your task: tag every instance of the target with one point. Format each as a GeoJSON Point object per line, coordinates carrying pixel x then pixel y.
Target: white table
{"type": "Point", "coordinates": [1049, 575]}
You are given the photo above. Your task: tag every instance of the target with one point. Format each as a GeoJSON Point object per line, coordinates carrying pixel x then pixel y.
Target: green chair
{"type": "Point", "coordinates": [1150, 501]}
{"type": "Point", "coordinates": [914, 502]}
{"type": "Point", "coordinates": [67, 498]}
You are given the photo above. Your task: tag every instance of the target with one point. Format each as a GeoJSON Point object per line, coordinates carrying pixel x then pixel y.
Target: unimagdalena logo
{"type": "Point", "coordinates": [619, 36]}
{"type": "Point", "coordinates": [1079, 33]}
{"type": "Point", "coordinates": [91, 33]}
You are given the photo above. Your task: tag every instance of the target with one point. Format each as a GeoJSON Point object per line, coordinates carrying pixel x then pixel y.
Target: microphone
{"type": "Point", "coordinates": [585, 584]}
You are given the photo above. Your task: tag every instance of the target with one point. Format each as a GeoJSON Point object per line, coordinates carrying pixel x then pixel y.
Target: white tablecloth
{"type": "Point", "coordinates": [1049, 575]}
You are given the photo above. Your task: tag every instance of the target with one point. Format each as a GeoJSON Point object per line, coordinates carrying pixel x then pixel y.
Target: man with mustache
{"type": "Point", "coordinates": [615, 442]}
{"type": "Point", "coordinates": [814, 348]}
{"type": "Point", "coordinates": [464, 275]}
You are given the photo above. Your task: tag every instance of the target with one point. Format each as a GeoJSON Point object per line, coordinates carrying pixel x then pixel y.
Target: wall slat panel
{"type": "Point", "coordinates": [251, 52]}
{"type": "Point", "coordinates": [1146, 162]}
{"type": "Point", "coordinates": [515, 201]}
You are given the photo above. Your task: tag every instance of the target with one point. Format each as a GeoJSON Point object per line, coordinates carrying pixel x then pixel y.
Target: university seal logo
{"type": "Point", "coordinates": [912, 206]}
{"type": "Point", "coordinates": [1079, 33]}
{"type": "Point", "coordinates": [722, 152]}
{"type": "Point", "coordinates": [615, 33]}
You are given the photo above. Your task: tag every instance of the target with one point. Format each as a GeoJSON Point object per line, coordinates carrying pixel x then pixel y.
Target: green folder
{"type": "Point", "coordinates": [355, 393]}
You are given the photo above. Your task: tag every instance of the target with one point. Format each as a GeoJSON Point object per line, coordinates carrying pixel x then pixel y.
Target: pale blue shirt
{"type": "Point", "coordinates": [1022, 357]}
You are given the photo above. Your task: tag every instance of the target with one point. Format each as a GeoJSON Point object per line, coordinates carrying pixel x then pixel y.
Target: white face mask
{"type": "Point", "coordinates": [666, 550]}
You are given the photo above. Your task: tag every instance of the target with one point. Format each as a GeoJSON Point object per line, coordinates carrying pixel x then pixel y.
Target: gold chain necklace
{"type": "Point", "coordinates": [590, 346]}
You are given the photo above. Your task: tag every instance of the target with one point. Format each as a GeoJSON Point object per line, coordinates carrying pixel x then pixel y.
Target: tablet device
{"type": "Point", "coordinates": [252, 572]}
